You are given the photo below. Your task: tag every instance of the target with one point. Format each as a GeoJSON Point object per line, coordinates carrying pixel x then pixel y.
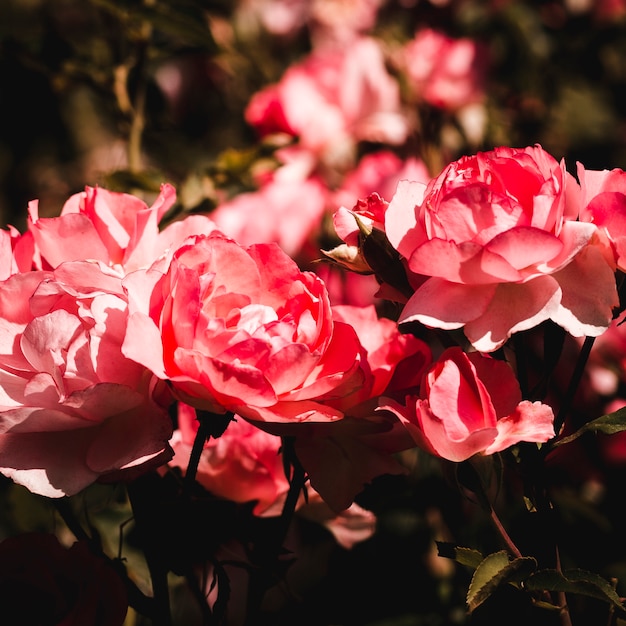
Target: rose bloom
{"type": "Point", "coordinates": [73, 409]}
{"type": "Point", "coordinates": [331, 101]}
{"type": "Point", "coordinates": [497, 236]}
{"type": "Point", "coordinates": [242, 330]}
{"type": "Point", "coordinates": [471, 404]}
{"type": "Point", "coordinates": [245, 465]}
{"type": "Point", "coordinates": [117, 230]}
{"type": "Point", "coordinates": [42, 582]}
{"type": "Point", "coordinates": [603, 202]}
{"type": "Point", "coordinates": [447, 73]}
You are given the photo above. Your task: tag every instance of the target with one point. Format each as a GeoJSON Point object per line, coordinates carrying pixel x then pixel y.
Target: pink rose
{"type": "Point", "coordinates": [332, 100]}
{"type": "Point", "coordinates": [447, 73]}
{"type": "Point", "coordinates": [471, 404]}
{"type": "Point", "coordinates": [603, 202]}
{"type": "Point", "coordinates": [73, 409]}
{"type": "Point", "coordinates": [116, 229]}
{"type": "Point", "coordinates": [394, 361]}
{"type": "Point", "coordinates": [498, 238]}
{"type": "Point", "coordinates": [42, 582]}
{"type": "Point", "coordinates": [243, 330]}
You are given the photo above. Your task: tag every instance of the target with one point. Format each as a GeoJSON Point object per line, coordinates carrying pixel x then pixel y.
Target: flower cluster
{"type": "Point", "coordinates": [385, 290]}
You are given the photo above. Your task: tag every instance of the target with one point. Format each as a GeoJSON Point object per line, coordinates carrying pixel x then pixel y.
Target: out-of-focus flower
{"type": "Point", "coordinates": [447, 73]}
{"type": "Point", "coordinates": [378, 172]}
{"type": "Point", "coordinates": [283, 210]}
{"type": "Point", "coordinates": [42, 582]}
{"type": "Point", "coordinates": [471, 404]}
{"type": "Point", "coordinates": [498, 236]}
{"type": "Point", "coordinates": [73, 409]}
{"type": "Point", "coordinates": [243, 330]}
{"type": "Point", "coordinates": [332, 100]}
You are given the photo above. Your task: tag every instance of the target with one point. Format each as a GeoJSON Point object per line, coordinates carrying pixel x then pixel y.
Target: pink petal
{"type": "Point", "coordinates": [513, 308]}
{"type": "Point", "coordinates": [442, 304]}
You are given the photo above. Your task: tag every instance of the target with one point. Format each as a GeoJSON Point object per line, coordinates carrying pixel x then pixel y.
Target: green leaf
{"type": "Point", "coordinates": [465, 556]}
{"type": "Point", "coordinates": [495, 570]}
{"type": "Point", "coordinates": [575, 581]}
{"type": "Point", "coordinates": [607, 424]}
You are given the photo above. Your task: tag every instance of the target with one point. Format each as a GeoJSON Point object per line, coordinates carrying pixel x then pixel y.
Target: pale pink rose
{"type": "Point", "coordinates": [286, 212]}
{"type": "Point", "coordinates": [340, 22]}
{"type": "Point", "coordinates": [471, 404]}
{"type": "Point", "coordinates": [73, 409]}
{"type": "Point", "coordinates": [331, 101]}
{"type": "Point", "coordinates": [447, 73]}
{"type": "Point", "coordinates": [245, 465]}
{"type": "Point", "coordinates": [116, 229]}
{"type": "Point", "coordinates": [243, 330]}
{"type": "Point", "coordinates": [497, 236]}
{"type": "Point", "coordinates": [603, 202]}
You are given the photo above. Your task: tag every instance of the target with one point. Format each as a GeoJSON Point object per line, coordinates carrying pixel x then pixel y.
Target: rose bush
{"type": "Point", "coordinates": [471, 404]}
{"type": "Point", "coordinates": [498, 236]}
{"type": "Point", "coordinates": [73, 409]}
{"type": "Point", "coordinates": [242, 330]}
